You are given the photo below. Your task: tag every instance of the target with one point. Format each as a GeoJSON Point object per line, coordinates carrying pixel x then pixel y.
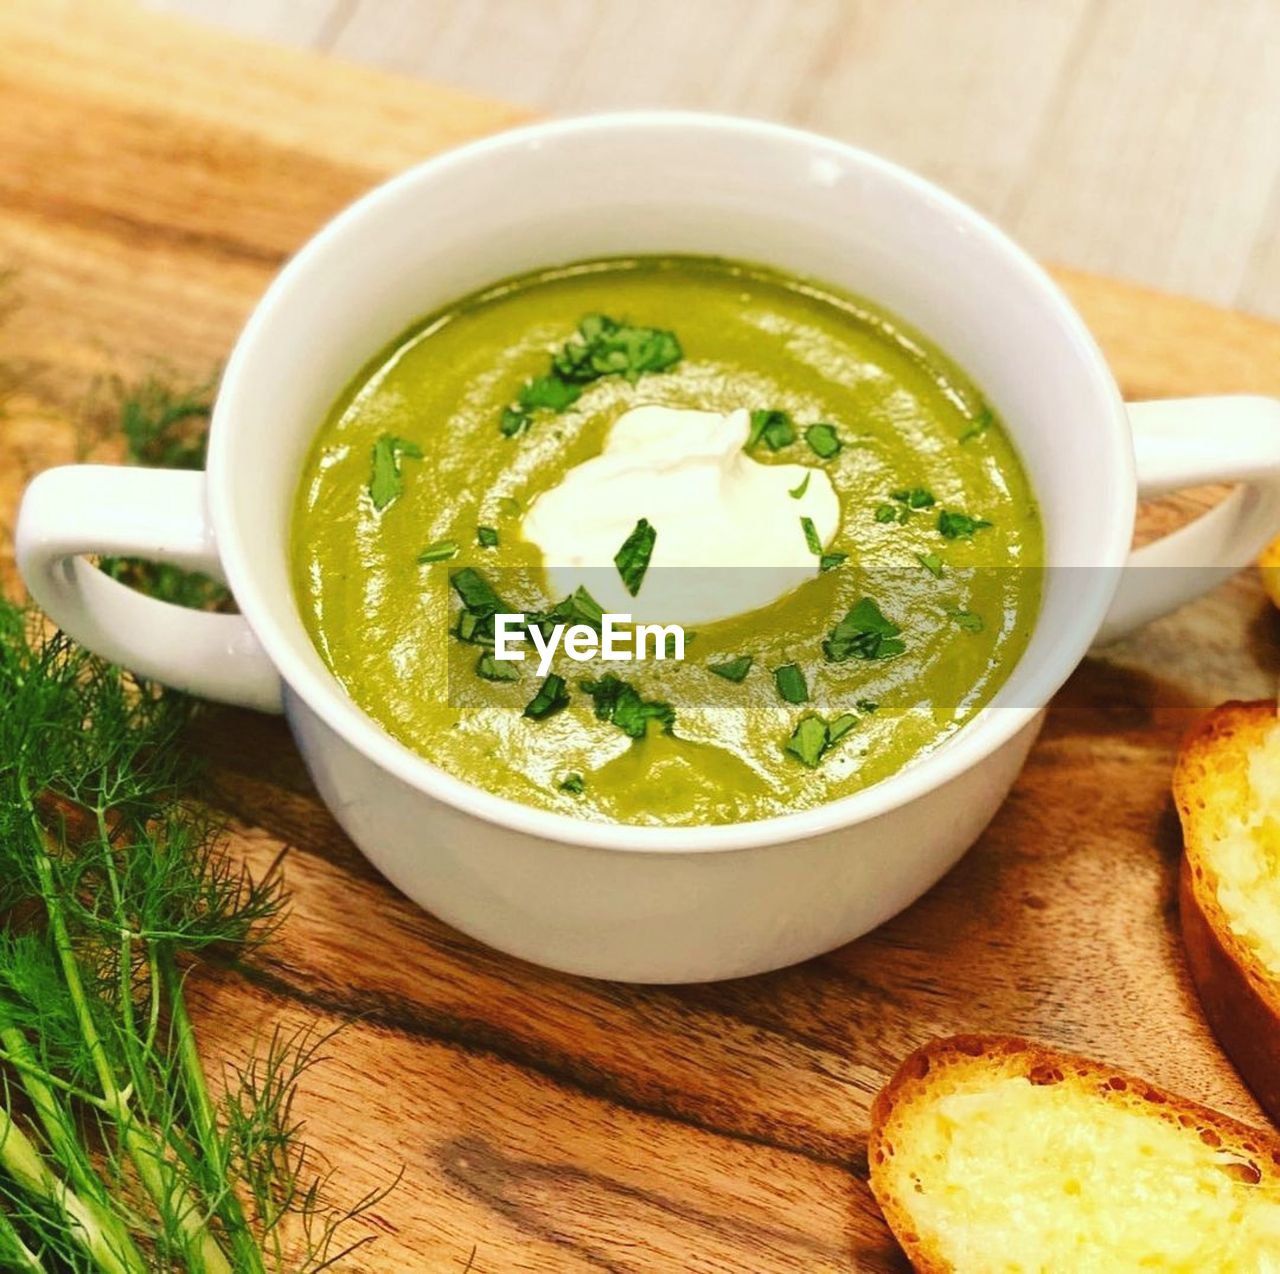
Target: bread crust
{"type": "Point", "coordinates": [1241, 1000]}
{"type": "Point", "coordinates": [1000, 1056]}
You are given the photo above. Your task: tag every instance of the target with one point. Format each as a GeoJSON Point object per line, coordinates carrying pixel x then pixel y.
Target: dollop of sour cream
{"type": "Point", "coordinates": [730, 535]}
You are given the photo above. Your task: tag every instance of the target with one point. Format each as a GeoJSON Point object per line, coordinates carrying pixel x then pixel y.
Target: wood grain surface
{"type": "Point", "coordinates": [1136, 138]}
{"type": "Point", "coordinates": [151, 182]}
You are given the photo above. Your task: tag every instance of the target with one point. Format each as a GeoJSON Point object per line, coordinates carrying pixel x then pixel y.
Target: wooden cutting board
{"type": "Point", "coordinates": [152, 178]}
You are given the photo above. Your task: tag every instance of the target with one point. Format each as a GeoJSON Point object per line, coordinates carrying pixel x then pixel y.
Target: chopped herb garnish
{"type": "Point", "coordinates": [840, 727]}
{"type": "Point", "coordinates": [983, 421]}
{"type": "Point", "coordinates": [605, 347]}
{"type": "Point", "coordinates": [814, 736]}
{"type": "Point", "coordinates": [798, 491]}
{"type": "Point", "coordinates": [632, 559]}
{"type": "Point", "coordinates": [867, 706]}
{"type": "Point", "coordinates": [967, 619]}
{"type": "Point", "coordinates": [811, 536]}
{"type": "Point", "coordinates": [732, 669]}
{"type": "Point", "coordinates": [809, 740]}
{"type": "Point", "coordinates": [931, 563]}
{"type": "Point", "coordinates": [492, 669]}
{"type": "Point", "coordinates": [773, 428]}
{"type": "Point", "coordinates": [551, 697]}
{"type": "Point", "coordinates": [512, 422]}
{"type": "Point", "coordinates": [864, 633]}
{"type": "Point", "coordinates": [823, 440]}
{"type": "Point", "coordinates": [440, 551]}
{"type": "Point", "coordinates": [906, 501]}
{"type": "Point", "coordinates": [579, 607]}
{"type": "Point", "coordinates": [791, 683]}
{"type": "Point", "coordinates": [479, 605]}
{"type": "Point", "coordinates": [487, 537]}
{"type": "Point", "coordinates": [476, 592]}
{"type": "Point", "coordinates": [620, 702]}
{"type": "Point", "coordinates": [959, 526]}
{"type": "Point", "coordinates": [829, 561]}
{"type": "Point", "coordinates": [574, 784]}
{"type": "Point", "coordinates": [386, 481]}
{"type": "Point", "coordinates": [602, 346]}
{"type": "Point", "coordinates": [550, 392]}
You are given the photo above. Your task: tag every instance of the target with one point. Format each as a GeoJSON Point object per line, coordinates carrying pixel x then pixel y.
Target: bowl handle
{"type": "Point", "coordinates": [156, 514]}
{"type": "Point", "coordinates": [1186, 442]}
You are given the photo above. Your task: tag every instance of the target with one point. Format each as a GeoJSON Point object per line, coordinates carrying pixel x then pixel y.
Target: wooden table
{"type": "Point", "coordinates": [1128, 137]}
{"type": "Point", "coordinates": [151, 183]}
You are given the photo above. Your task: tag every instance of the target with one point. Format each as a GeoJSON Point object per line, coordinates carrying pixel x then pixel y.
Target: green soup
{"type": "Point", "coordinates": [897, 643]}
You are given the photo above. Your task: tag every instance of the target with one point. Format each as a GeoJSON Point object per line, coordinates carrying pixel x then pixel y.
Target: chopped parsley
{"type": "Point", "coordinates": [841, 726]}
{"type": "Point", "coordinates": [867, 705]}
{"type": "Point", "coordinates": [479, 605]}
{"type": "Point", "coordinates": [982, 421]}
{"type": "Point", "coordinates": [931, 563]}
{"type": "Point", "coordinates": [475, 592]}
{"type": "Point", "coordinates": [602, 346]}
{"type": "Point", "coordinates": [487, 537]}
{"type": "Point", "coordinates": [814, 736]}
{"type": "Point", "coordinates": [791, 683]}
{"type": "Point", "coordinates": [823, 440]}
{"type": "Point", "coordinates": [550, 699]}
{"type": "Point", "coordinates": [513, 421]}
{"type": "Point", "coordinates": [549, 392]}
{"type": "Point", "coordinates": [811, 536]}
{"type": "Point", "coordinates": [829, 561]}
{"type": "Point", "coordinates": [797, 492]}
{"type": "Point", "coordinates": [773, 428]}
{"type": "Point", "coordinates": [905, 502]}
{"type": "Point", "coordinates": [386, 481]}
{"type": "Point", "coordinates": [632, 559]}
{"type": "Point", "coordinates": [578, 608]}
{"type": "Point", "coordinates": [605, 347]}
{"type": "Point", "coordinates": [732, 669]}
{"type": "Point", "coordinates": [809, 740]}
{"type": "Point", "coordinates": [620, 702]}
{"type": "Point", "coordinates": [954, 525]}
{"type": "Point", "coordinates": [574, 784]}
{"type": "Point", "coordinates": [864, 633]}
{"type": "Point", "coordinates": [440, 551]}
{"type": "Point", "coordinates": [967, 619]}
{"type": "Point", "coordinates": [492, 669]}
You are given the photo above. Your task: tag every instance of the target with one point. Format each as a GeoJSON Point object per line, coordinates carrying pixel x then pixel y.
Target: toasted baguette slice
{"type": "Point", "coordinates": [1269, 570]}
{"type": "Point", "coordinates": [989, 1153]}
{"type": "Point", "coordinates": [1227, 789]}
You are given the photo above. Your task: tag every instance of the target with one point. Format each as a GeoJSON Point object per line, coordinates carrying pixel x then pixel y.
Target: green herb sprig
{"type": "Point", "coordinates": [117, 1158]}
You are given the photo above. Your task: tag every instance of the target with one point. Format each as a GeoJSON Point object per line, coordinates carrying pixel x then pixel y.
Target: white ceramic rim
{"type": "Point", "coordinates": [992, 726]}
